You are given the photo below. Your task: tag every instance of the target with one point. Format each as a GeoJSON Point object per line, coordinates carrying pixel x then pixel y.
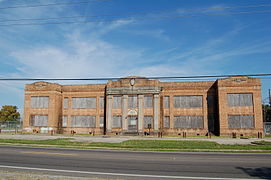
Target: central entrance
{"type": "Point", "coordinates": [132, 123]}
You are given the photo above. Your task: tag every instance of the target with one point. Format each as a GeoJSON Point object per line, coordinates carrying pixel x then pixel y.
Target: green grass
{"type": "Point", "coordinates": [59, 141]}
{"type": "Point", "coordinates": [163, 145]}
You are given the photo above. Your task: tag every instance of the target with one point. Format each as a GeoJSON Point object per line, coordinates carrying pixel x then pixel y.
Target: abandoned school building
{"type": "Point", "coordinates": [139, 105]}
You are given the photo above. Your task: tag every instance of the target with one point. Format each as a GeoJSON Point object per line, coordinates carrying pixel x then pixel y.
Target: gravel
{"type": "Point", "coordinates": [14, 175]}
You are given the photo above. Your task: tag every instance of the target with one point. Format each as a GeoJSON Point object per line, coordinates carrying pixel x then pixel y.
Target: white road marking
{"type": "Point", "coordinates": [118, 174]}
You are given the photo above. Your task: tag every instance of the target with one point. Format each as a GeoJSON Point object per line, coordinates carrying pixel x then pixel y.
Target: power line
{"type": "Point", "coordinates": [137, 18]}
{"type": "Point", "coordinates": [52, 4]}
{"type": "Point", "coordinates": [151, 77]}
{"type": "Point", "coordinates": [85, 2]}
{"type": "Point", "coordinates": [209, 76]}
{"type": "Point", "coordinates": [137, 13]}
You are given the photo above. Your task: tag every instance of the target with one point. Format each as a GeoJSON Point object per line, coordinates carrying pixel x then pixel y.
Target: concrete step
{"type": "Point", "coordinates": [132, 133]}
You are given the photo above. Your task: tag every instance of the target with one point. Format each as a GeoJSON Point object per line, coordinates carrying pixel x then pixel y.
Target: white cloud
{"type": "Point", "coordinates": [105, 28]}
{"type": "Point", "coordinates": [80, 57]}
{"type": "Point", "coordinates": [154, 33]}
{"type": "Point", "coordinates": [83, 52]}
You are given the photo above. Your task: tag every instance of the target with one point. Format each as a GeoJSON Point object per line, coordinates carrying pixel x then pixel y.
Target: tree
{"type": "Point", "coordinates": [9, 113]}
{"type": "Point", "coordinates": [267, 113]}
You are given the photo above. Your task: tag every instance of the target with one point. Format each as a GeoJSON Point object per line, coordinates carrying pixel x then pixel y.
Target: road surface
{"type": "Point", "coordinates": [135, 165]}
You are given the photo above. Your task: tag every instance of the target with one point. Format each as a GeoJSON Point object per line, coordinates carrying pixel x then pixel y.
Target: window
{"type": "Point", "coordinates": [166, 102]}
{"type": "Point", "coordinates": [148, 101]}
{"type": "Point", "coordinates": [66, 103]}
{"type": "Point", "coordinates": [117, 122]}
{"type": "Point", "coordinates": [117, 102]}
{"type": "Point", "coordinates": [244, 99]}
{"type": "Point", "coordinates": [241, 121]}
{"type": "Point", "coordinates": [101, 121]}
{"type": "Point", "coordinates": [64, 121]}
{"type": "Point", "coordinates": [132, 102]}
{"type": "Point", "coordinates": [187, 101]}
{"type": "Point", "coordinates": [83, 102]}
{"type": "Point", "coordinates": [101, 102]}
{"type": "Point", "coordinates": [185, 122]}
{"type": "Point", "coordinates": [39, 120]}
{"type": "Point", "coordinates": [148, 121]}
{"type": "Point", "coordinates": [166, 122]}
{"type": "Point", "coordinates": [83, 121]}
{"type": "Point", "coordinates": [39, 101]}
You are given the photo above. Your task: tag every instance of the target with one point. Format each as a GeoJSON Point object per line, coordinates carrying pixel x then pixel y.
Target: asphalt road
{"type": "Point", "coordinates": [135, 165]}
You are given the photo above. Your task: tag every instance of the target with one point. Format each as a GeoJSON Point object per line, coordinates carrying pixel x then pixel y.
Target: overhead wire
{"type": "Point", "coordinates": [136, 13]}
{"type": "Point", "coordinates": [51, 4]}
{"type": "Point", "coordinates": [151, 77]}
{"type": "Point", "coordinates": [90, 1]}
{"type": "Point", "coordinates": [136, 18]}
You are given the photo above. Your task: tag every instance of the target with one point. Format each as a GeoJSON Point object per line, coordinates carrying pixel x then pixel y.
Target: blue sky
{"type": "Point", "coordinates": [145, 45]}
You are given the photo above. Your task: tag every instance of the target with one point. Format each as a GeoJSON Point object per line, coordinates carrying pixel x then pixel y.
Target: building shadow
{"type": "Point", "coordinates": [262, 172]}
{"type": "Point", "coordinates": [212, 108]}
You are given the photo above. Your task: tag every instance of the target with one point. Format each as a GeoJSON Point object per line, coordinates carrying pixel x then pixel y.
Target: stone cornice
{"type": "Point", "coordinates": [133, 90]}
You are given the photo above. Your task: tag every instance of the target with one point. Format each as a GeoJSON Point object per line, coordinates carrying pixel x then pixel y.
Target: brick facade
{"type": "Point", "coordinates": [139, 105]}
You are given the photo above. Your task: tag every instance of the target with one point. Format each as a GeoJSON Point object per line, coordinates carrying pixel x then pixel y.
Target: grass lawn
{"type": "Point", "coordinates": [171, 145]}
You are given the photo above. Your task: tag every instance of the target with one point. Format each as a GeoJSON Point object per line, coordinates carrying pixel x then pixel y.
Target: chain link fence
{"type": "Point", "coordinates": [11, 126]}
{"type": "Point", "coordinates": [267, 128]}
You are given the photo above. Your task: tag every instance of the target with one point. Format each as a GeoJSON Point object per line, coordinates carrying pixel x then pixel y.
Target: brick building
{"type": "Point", "coordinates": [138, 105]}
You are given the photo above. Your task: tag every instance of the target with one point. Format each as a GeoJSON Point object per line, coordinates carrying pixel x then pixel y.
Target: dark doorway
{"type": "Point", "coordinates": [132, 123]}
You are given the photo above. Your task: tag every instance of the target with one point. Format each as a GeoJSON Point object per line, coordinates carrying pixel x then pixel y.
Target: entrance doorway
{"type": "Point", "coordinates": [132, 123]}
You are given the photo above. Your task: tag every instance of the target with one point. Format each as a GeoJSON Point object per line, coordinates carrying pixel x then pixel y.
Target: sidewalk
{"type": "Point", "coordinates": [118, 139]}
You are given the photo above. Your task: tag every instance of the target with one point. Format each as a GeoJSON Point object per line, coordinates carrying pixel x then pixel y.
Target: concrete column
{"type": "Point", "coordinates": [156, 112]}
{"type": "Point", "coordinates": [124, 112]}
{"type": "Point", "coordinates": [109, 103]}
{"type": "Point", "coordinates": [140, 113]}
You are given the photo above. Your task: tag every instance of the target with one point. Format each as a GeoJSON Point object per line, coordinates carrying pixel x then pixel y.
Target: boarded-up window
{"type": "Point", "coordinates": [101, 121]}
{"type": "Point", "coordinates": [117, 122]}
{"type": "Point", "coordinates": [101, 102]}
{"type": "Point", "coordinates": [117, 102]}
{"type": "Point", "coordinates": [39, 120]}
{"type": "Point", "coordinates": [64, 121]}
{"type": "Point", "coordinates": [66, 103]}
{"type": "Point", "coordinates": [184, 122]}
{"type": "Point", "coordinates": [83, 121]}
{"type": "Point", "coordinates": [132, 102]}
{"type": "Point", "coordinates": [166, 102]}
{"type": "Point", "coordinates": [148, 101]}
{"type": "Point", "coordinates": [166, 122]}
{"type": "Point", "coordinates": [84, 103]}
{"type": "Point", "coordinates": [241, 121]}
{"type": "Point", "coordinates": [148, 121]}
{"type": "Point", "coordinates": [187, 101]}
{"type": "Point", "coordinates": [244, 99]}
{"type": "Point", "coordinates": [39, 102]}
